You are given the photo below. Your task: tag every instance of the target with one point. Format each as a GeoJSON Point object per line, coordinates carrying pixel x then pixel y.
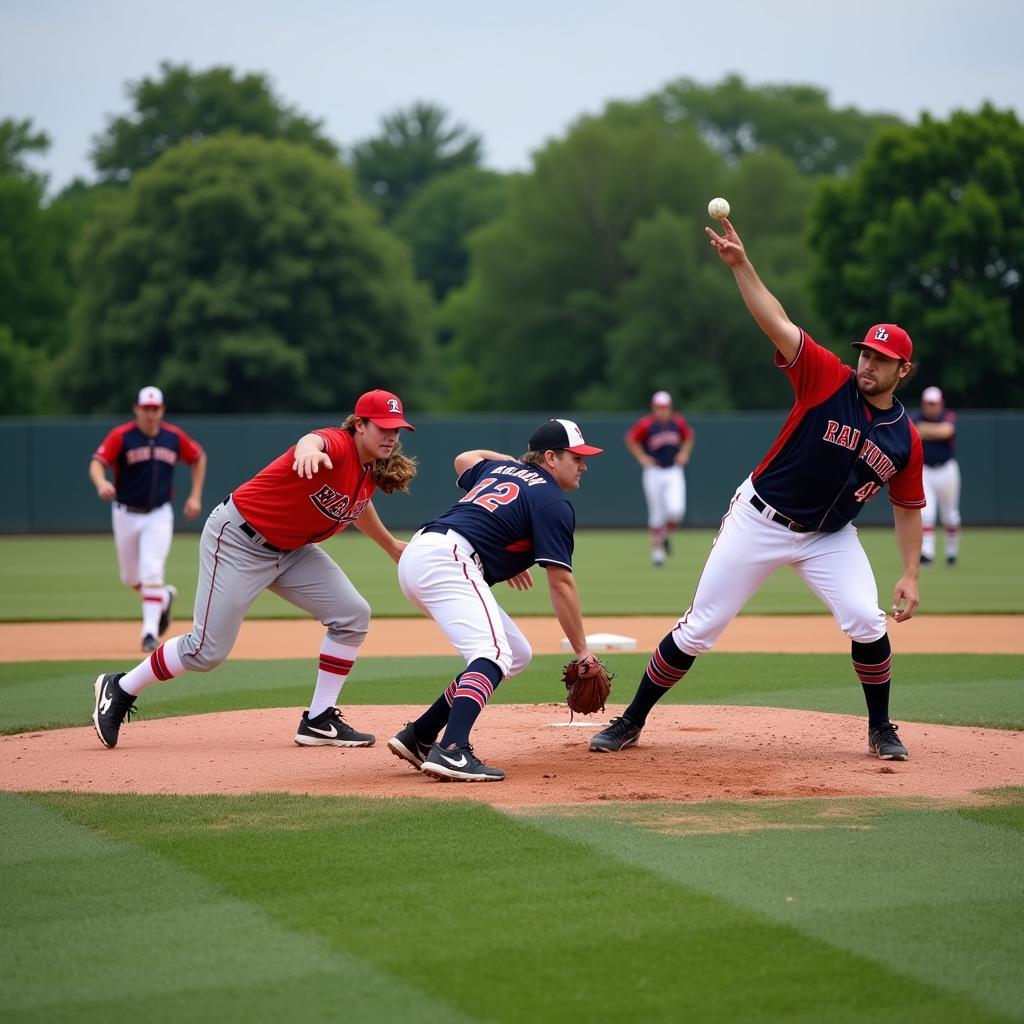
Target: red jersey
{"type": "Point", "coordinates": [290, 511]}
{"type": "Point", "coordinates": [661, 440]}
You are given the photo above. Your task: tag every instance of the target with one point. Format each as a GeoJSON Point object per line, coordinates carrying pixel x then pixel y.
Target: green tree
{"type": "Point", "coordinates": [415, 145]}
{"type": "Point", "coordinates": [438, 220]}
{"type": "Point", "coordinates": [18, 138]}
{"type": "Point", "coordinates": [182, 104]}
{"type": "Point", "coordinates": [245, 275]}
{"type": "Point", "coordinates": [795, 120]}
{"type": "Point", "coordinates": [929, 233]}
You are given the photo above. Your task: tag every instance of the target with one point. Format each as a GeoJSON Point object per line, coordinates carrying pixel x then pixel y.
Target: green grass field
{"type": "Point", "coordinates": [257, 908]}
{"type": "Point", "coordinates": [55, 578]}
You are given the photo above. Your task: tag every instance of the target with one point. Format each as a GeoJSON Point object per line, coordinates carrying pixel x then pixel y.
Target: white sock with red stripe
{"type": "Point", "coordinates": [336, 661]}
{"type": "Point", "coordinates": [152, 607]}
{"type": "Point", "coordinates": [163, 664]}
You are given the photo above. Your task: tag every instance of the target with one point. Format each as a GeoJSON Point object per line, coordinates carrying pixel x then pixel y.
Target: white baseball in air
{"type": "Point", "coordinates": [718, 208]}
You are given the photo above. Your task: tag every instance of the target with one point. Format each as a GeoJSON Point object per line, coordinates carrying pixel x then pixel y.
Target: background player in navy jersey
{"type": "Point", "coordinates": [937, 427]}
{"type": "Point", "coordinates": [515, 514]}
{"type": "Point", "coordinates": [845, 438]}
{"type": "Point", "coordinates": [662, 442]}
{"type": "Point", "coordinates": [142, 455]}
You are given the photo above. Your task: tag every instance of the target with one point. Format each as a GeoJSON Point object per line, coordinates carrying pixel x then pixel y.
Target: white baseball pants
{"type": "Point", "coordinates": [665, 491]}
{"type": "Point", "coordinates": [942, 500]}
{"type": "Point", "coordinates": [750, 547]}
{"type": "Point", "coordinates": [143, 540]}
{"type": "Point", "coordinates": [437, 573]}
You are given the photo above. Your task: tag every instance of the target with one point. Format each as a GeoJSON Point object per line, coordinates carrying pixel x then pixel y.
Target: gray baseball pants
{"type": "Point", "coordinates": [234, 569]}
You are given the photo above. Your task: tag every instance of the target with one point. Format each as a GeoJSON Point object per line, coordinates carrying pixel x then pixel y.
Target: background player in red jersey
{"type": "Point", "coordinates": [662, 442]}
{"type": "Point", "coordinates": [264, 536]}
{"type": "Point", "coordinates": [937, 427]}
{"type": "Point", "coordinates": [142, 455]}
{"type": "Point", "coordinates": [845, 438]}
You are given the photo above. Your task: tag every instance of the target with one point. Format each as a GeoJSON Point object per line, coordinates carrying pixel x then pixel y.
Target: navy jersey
{"type": "Point", "coordinates": [144, 466]}
{"type": "Point", "coordinates": [661, 440]}
{"type": "Point", "coordinates": [938, 453]}
{"type": "Point", "coordinates": [836, 451]}
{"type": "Point", "coordinates": [514, 515]}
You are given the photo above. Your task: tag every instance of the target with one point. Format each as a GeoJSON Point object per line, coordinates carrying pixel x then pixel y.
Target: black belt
{"type": "Point", "coordinates": [441, 528]}
{"type": "Point", "coordinates": [778, 517]}
{"type": "Point", "coordinates": [937, 465]}
{"type": "Point", "coordinates": [138, 510]}
{"type": "Point", "coordinates": [252, 534]}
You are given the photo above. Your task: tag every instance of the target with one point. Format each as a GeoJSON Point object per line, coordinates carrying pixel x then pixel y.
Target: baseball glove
{"type": "Point", "coordinates": [588, 684]}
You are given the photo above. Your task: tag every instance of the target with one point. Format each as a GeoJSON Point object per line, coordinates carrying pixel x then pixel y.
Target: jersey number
{"type": "Point", "coordinates": [502, 494]}
{"type": "Point", "coordinates": [866, 492]}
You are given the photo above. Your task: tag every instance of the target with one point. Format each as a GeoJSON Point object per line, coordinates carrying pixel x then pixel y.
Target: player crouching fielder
{"type": "Point", "coordinates": [845, 439]}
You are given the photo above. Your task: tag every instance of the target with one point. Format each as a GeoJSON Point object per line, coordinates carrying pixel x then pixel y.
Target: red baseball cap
{"type": "Point", "coordinates": [557, 435]}
{"type": "Point", "coordinates": [889, 339]}
{"type": "Point", "coordinates": [383, 408]}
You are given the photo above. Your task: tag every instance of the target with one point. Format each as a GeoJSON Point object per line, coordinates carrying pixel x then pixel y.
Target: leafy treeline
{"type": "Point", "coordinates": [229, 252]}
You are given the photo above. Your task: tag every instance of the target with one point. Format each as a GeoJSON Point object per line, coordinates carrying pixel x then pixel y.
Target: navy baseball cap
{"type": "Point", "coordinates": [889, 339]}
{"type": "Point", "coordinates": [559, 435]}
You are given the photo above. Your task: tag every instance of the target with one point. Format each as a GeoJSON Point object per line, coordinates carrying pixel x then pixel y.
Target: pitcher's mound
{"type": "Point", "coordinates": [687, 752]}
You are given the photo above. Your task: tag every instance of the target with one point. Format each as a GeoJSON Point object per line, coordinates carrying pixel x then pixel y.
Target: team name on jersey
{"type": "Point", "coordinates": [134, 455]}
{"type": "Point", "coordinates": [527, 475]}
{"type": "Point", "coordinates": [336, 506]}
{"type": "Point", "coordinates": [662, 439]}
{"type": "Point", "coordinates": [849, 437]}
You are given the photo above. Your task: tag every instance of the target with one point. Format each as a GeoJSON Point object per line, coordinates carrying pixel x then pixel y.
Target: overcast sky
{"type": "Point", "coordinates": [517, 73]}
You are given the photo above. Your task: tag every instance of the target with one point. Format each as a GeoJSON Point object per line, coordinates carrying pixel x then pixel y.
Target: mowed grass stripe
{"type": "Point", "coordinates": [100, 929]}
{"type": "Point", "coordinates": [925, 893]}
{"type": "Point", "coordinates": [507, 920]}
{"type": "Point", "coordinates": [980, 690]}
{"type": "Point", "coordinates": [52, 578]}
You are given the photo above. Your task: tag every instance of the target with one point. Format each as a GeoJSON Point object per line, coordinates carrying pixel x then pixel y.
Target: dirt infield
{"type": "Point", "coordinates": [687, 753]}
{"type": "Point", "coordinates": [296, 638]}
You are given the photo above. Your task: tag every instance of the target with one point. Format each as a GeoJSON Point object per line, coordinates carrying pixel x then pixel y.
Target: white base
{"type": "Point", "coordinates": [577, 725]}
{"type": "Point", "coordinates": [605, 642]}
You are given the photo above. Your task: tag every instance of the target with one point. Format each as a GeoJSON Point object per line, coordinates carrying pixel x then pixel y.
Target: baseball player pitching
{"type": "Point", "coordinates": [142, 455]}
{"type": "Point", "coordinates": [937, 427]}
{"type": "Point", "coordinates": [514, 514]}
{"type": "Point", "coordinates": [662, 442]}
{"type": "Point", "coordinates": [265, 536]}
{"type": "Point", "coordinates": [845, 438]}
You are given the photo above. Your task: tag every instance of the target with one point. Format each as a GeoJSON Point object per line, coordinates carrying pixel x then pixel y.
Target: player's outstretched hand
{"type": "Point", "coordinates": [308, 464]}
{"type": "Point", "coordinates": [905, 599]}
{"type": "Point", "coordinates": [522, 581]}
{"type": "Point", "coordinates": [728, 245]}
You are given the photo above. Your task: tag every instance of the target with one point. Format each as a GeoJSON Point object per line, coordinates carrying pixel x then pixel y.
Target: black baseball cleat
{"type": "Point", "coordinates": [329, 729]}
{"type": "Point", "coordinates": [950, 559]}
{"type": "Point", "coordinates": [619, 734]}
{"type": "Point", "coordinates": [165, 616]}
{"type": "Point", "coordinates": [113, 705]}
{"type": "Point", "coordinates": [668, 546]}
{"type": "Point", "coordinates": [883, 741]}
{"type": "Point", "coordinates": [927, 559]}
{"type": "Point", "coordinates": [460, 764]}
{"type": "Point", "coordinates": [149, 643]}
{"type": "Point", "coordinates": [406, 745]}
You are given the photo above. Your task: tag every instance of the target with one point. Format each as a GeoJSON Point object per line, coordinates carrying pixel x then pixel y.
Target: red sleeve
{"type": "Point", "coordinates": [685, 430]}
{"type": "Point", "coordinates": [189, 449]}
{"type": "Point", "coordinates": [334, 442]}
{"type": "Point", "coordinates": [639, 431]}
{"type": "Point", "coordinates": [111, 446]}
{"type": "Point", "coordinates": [906, 488]}
{"type": "Point", "coordinates": [815, 373]}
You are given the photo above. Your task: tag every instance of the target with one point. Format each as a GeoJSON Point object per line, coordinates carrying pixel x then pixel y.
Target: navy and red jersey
{"type": "Point", "coordinates": [938, 453]}
{"type": "Point", "coordinates": [514, 515]}
{"type": "Point", "coordinates": [290, 510]}
{"type": "Point", "coordinates": [144, 466]}
{"type": "Point", "coordinates": [836, 451]}
{"type": "Point", "coordinates": [661, 439]}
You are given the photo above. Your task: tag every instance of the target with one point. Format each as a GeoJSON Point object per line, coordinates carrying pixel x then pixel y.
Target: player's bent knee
{"type": "Point", "coordinates": [867, 627]}
{"type": "Point", "coordinates": [522, 655]}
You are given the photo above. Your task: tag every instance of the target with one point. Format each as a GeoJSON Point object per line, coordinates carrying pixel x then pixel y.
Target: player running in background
{"type": "Point", "coordinates": [845, 438]}
{"type": "Point", "coordinates": [515, 514]}
{"type": "Point", "coordinates": [265, 536]}
{"type": "Point", "coordinates": [142, 455]}
{"type": "Point", "coordinates": [937, 427]}
{"type": "Point", "coordinates": [662, 442]}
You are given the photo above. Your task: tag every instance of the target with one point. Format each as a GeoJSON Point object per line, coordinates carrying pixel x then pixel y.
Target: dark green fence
{"type": "Point", "coordinates": [46, 487]}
